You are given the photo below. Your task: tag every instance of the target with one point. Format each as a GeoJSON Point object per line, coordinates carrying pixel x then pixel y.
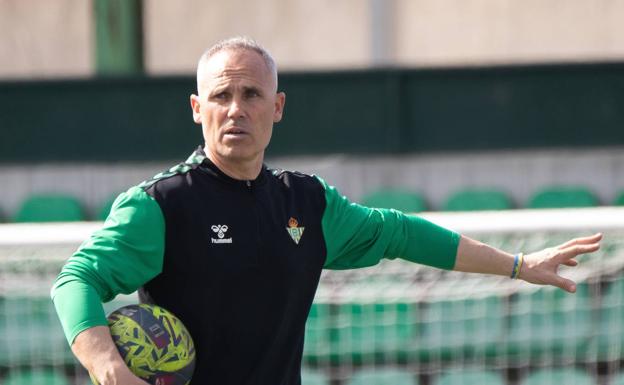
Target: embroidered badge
{"type": "Point", "coordinates": [294, 230]}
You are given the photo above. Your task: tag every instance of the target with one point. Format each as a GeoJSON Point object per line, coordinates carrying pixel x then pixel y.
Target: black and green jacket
{"type": "Point", "coordinates": [237, 261]}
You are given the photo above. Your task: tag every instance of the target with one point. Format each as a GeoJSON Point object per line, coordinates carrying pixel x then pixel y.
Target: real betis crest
{"type": "Point", "coordinates": [294, 230]}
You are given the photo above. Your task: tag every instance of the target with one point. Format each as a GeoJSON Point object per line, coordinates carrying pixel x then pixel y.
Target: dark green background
{"type": "Point", "coordinates": [357, 112]}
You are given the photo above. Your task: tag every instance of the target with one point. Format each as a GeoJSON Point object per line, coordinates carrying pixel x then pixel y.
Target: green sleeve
{"type": "Point", "coordinates": [119, 258]}
{"type": "Point", "coordinates": [358, 236]}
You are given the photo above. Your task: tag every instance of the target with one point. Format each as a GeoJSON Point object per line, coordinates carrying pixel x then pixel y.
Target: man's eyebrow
{"type": "Point", "coordinates": [218, 89]}
{"type": "Point", "coordinates": [251, 88]}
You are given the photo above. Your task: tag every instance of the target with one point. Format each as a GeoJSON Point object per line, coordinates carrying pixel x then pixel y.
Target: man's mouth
{"type": "Point", "coordinates": [235, 131]}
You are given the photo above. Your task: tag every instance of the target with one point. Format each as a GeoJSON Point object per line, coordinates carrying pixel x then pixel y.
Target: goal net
{"type": "Point", "coordinates": [394, 323]}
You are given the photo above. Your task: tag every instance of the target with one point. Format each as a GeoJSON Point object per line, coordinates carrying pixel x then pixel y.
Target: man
{"type": "Point", "coordinates": [236, 250]}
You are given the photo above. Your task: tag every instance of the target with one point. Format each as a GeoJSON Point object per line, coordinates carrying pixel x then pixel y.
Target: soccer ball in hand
{"type": "Point", "coordinates": [153, 343]}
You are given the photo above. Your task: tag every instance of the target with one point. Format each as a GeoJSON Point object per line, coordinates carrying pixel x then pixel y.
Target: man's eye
{"type": "Point", "coordinates": [220, 96]}
{"type": "Point", "coordinates": [252, 93]}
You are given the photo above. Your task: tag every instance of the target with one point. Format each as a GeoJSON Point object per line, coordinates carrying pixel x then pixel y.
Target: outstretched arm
{"type": "Point", "coordinates": [539, 267]}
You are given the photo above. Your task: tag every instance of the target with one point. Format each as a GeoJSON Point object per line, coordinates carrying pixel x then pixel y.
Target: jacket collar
{"type": "Point", "coordinates": [199, 157]}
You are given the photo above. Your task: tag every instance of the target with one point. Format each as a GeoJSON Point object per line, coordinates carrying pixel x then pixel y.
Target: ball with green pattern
{"type": "Point", "coordinates": [153, 343]}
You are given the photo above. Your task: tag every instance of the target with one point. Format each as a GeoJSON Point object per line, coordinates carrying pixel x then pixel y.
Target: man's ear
{"type": "Point", "coordinates": [195, 107]}
{"type": "Point", "coordinates": [280, 100]}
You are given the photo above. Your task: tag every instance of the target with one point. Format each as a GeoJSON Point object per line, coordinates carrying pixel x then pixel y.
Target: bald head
{"type": "Point", "coordinates": [235, 44]}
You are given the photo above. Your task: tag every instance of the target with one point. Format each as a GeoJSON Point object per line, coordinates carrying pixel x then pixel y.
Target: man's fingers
{"type": "Point", "coordinates": [581, 241]}
{"type": "Point", "coordinates": [575, 250]}
{"type": "Point", "coordinates": [570, 262]}
{"type": "Point", "coordinates": [565, 284]}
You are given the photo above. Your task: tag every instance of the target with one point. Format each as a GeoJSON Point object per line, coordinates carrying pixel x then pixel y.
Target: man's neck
{"type": "Point", "coordinates": [241, 170]}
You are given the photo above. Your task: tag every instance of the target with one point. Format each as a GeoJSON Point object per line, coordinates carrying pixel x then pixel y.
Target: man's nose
{"type": "Point", "coordinates": [236, 109]}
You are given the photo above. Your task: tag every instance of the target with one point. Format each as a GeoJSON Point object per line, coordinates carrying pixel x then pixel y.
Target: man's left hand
{"type": "Point", "coordinates": [542, 267]}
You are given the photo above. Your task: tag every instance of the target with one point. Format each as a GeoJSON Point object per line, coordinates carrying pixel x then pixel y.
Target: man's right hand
{"type": "Point", "coordinates": [97, 352]}
{"type": "Point", "coordinates": [119, 377]}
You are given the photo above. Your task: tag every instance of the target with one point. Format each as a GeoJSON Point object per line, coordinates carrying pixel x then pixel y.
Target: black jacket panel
{"type": "Point", "coordinates": [235, 275]}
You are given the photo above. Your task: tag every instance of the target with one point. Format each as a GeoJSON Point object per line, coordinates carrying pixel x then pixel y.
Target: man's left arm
{"type": "Point", "coordinates": [358, 236]}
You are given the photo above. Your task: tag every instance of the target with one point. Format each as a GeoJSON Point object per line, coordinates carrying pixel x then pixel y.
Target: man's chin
{"type": "Point", "coordinates": [239, 155]}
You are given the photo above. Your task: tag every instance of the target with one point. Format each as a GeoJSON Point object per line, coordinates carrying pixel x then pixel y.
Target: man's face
{"type": "Point", "coordinates": [236, 106]}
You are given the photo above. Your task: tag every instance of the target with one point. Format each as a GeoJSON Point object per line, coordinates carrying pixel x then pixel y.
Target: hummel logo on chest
{"type": "Point", "coordinates": [220, 230]}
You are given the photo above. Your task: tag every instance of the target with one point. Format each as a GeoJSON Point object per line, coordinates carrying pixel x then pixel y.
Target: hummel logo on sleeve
{"type": "Point", "coordinates": [220, 230]}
